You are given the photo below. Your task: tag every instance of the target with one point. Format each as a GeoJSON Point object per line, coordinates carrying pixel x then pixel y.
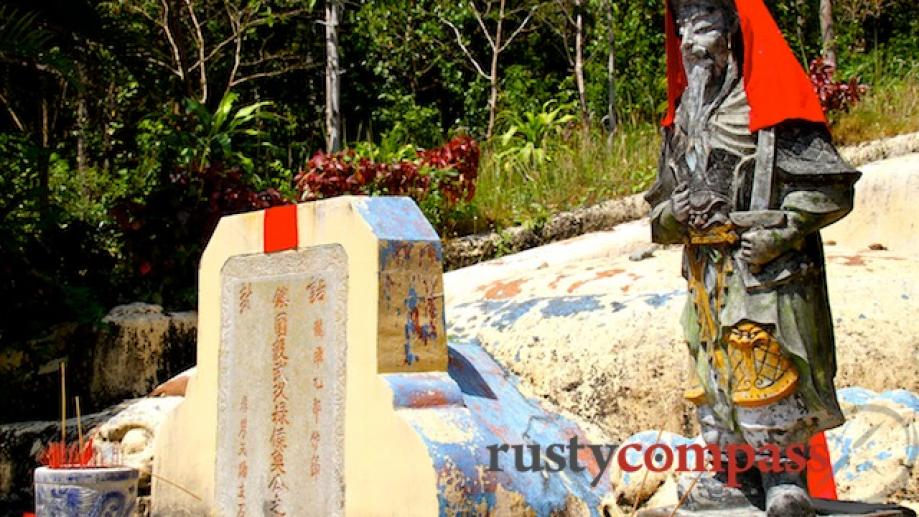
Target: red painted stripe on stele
{"type": "Point", "coordinates": [280, 228]}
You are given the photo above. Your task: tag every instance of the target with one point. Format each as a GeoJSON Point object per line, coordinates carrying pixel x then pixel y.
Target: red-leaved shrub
{"type": "Point", "coordinates": [450, 169]}
{"type": "Point", "coordinates": [834, 95]}
{"type": "Point", "coordinates": [461, 154]}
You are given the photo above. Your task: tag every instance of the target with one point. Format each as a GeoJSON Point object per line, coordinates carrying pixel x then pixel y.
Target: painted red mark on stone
{"type": "Point", "coordinates": [428, 399]}
{"type": "Point", "coordinates": [597, 276]}
{"type": "Point", "coordinates": [858, 260]}
{"type": "Point", "coordinates": [854, 260]}
{"type": "Point", "coordinates": [499, 290]}
{"type": "Point", "coordinates": [554, 283]}
{"type": "Point", "coordinates": [280, 228]}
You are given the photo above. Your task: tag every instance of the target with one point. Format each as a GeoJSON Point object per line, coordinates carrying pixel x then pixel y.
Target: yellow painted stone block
{"type": "Point", "coordinates": [385, 467]}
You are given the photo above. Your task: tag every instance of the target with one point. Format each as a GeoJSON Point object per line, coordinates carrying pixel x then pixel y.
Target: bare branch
{"type": "Point", "coordinates": [243, 26]}
{"type": "Point", "coordinates": [214, 51]}
{"type": "Point", "coordinates": [430, 66]}
{"type": "Point", "coordinates": [459, 40]}
{"type": "Point", "coordinates": [519, 28]}
{"type": "Point", "coordinates": [165, 65]}
{"type": "Point", "coordinates": [554, 27]}
{"type": "Point", "coordinates": [488, 5]}
{"type": "Point", "coordinates": [172, 42]}
{"type": "Point", "coordinates": [9, 108]}
{"type": "Point", "coordinates": [273, 73]}
{"type": "Point", "coordinates": [508, 12]}
{"type": "Point", "coordinates": [565, 12]}
{"type": "Point", "coordinates": [145, 14]}
{"type": "Point", "coordinates": [237, 35]}
{"type": "Point", "coordinates": [199, 38]}
{"type": "Point", "coordinates": [267, 58]}
{"type": "Point", "coordinates": [479, 19]}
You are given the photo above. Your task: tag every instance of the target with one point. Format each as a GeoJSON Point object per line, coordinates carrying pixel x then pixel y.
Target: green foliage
{"type": "Point", "coordinates": [800, 24]}
{"type": "Point", "coordinates": [211, 135]}
{"type": "Point", "coordinates": [891, 107]}
{"type": "Point", "coordinates": [119, 147]}
{"type": "Point", "coordinates": [20, 33]}
{"type": "Point", "coordinates": [639, 52]}
{"type": "Point", "coordinates": [402, 45]}
{"type": "Point", "coordinates": [55, 260]}
{"type": "Point", "coordinates": [523, 144]}
{"type": "Point", "coordinates": [584, 170]}
{"type": "Point", "coordinates": [408, 122]}
{"type": "Point", "coordinates": [523, 91]}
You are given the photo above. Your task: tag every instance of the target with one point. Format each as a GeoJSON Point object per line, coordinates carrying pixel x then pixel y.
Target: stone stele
{"type": "Point", "coordinates": [322, 384]}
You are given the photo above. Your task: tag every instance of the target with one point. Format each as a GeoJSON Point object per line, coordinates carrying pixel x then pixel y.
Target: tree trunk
{"type": "Point", "coordinates": [579, 61]}
{"type": "Point", "coordinates": [106, 135]}
{"type": "Point", "coordinates": [332, 77]}
{"type": "Point", "coordinates": [611, 77]}
{"type": "Point", "coordinates": [493, 74]}
{"type": "Point", "coordinates": [177, 29]}
{"type": "Point", "coordinates": [82, 116]}
{"type": "Point", "coordinates": [826, 31]}
{"type": "Point", "coordinates": [44, 163]}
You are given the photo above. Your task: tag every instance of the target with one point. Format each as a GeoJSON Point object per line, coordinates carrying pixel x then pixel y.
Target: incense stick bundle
{"type": "Point", "coordinates": [79, 424]}
{"type": "Point", "coordinates": [63, 405]}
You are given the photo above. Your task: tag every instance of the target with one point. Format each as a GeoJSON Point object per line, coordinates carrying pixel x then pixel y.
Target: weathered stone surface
{"type": "Point", "coordinates": [142, 347]}
{"type": "Point", "coordinates": [175, 386]}
{"type": "Point", "coordinates": [29, 376]}
{"type": "Point", "coordinates": [282, 381]}
{"type": "Point", "coordinates": [469, 250]}
{"type": "Point", "coordinates": [875, 452]}
{"type": "Point", "coordinates": [666, 496]}
{"type": "Point", "coordinates": [418, 415]}
{"type": "Point", "coordinates": [881, 149]}
{"type": "Point", "coordinates": [641, 485]}
{"type": "Point", "coordinates": [127, 437]}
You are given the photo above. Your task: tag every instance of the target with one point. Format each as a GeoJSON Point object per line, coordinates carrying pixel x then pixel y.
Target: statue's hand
{"type": "Point", "coordinates": [679, 204]}
{"type": "Point", "coordinates": [760, 247]}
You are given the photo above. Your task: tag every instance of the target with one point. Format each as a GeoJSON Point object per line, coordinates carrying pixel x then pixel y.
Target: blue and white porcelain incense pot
{"type": "Point", "coordinates": [85, 492]}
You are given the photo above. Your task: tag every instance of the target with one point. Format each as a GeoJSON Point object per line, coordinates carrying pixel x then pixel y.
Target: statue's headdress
{"type": "Point", "coordinates": [777, 87]}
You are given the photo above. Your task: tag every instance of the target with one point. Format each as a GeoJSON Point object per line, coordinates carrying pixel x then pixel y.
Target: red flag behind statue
{"type": "Point", "coordinates": [777, 86]}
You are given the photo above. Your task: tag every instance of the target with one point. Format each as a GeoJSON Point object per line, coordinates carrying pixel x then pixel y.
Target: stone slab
{"type": "Point", "coordinates": [282, 383]}
{"type": "Point", "coordinates": [417, 415]}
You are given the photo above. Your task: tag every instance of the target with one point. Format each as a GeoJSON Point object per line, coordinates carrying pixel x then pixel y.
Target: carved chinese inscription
{"type": "Point", "coordinates": [281, 384]}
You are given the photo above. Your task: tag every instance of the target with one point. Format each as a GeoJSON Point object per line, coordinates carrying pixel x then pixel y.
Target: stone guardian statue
{"type": "Point", "coordinates": [747, 178]}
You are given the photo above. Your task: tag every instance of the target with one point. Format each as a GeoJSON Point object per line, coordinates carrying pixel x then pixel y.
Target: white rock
{"type": "Point", "coordinates": [874, 453]}
{"type": "Point", "coordinates": [642, 484]}
{"type": "Point", "coordinates": [127, 437]}
{"type": "Point", "coordinates": [142, 346]}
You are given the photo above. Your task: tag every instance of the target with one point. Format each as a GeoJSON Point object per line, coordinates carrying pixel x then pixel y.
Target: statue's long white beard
{"type": "Point", "coordinates": [695, 104]}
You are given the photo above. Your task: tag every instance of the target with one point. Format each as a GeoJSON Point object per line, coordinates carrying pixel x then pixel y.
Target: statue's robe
{"type": "Point", "coordinates": [813, 187]}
